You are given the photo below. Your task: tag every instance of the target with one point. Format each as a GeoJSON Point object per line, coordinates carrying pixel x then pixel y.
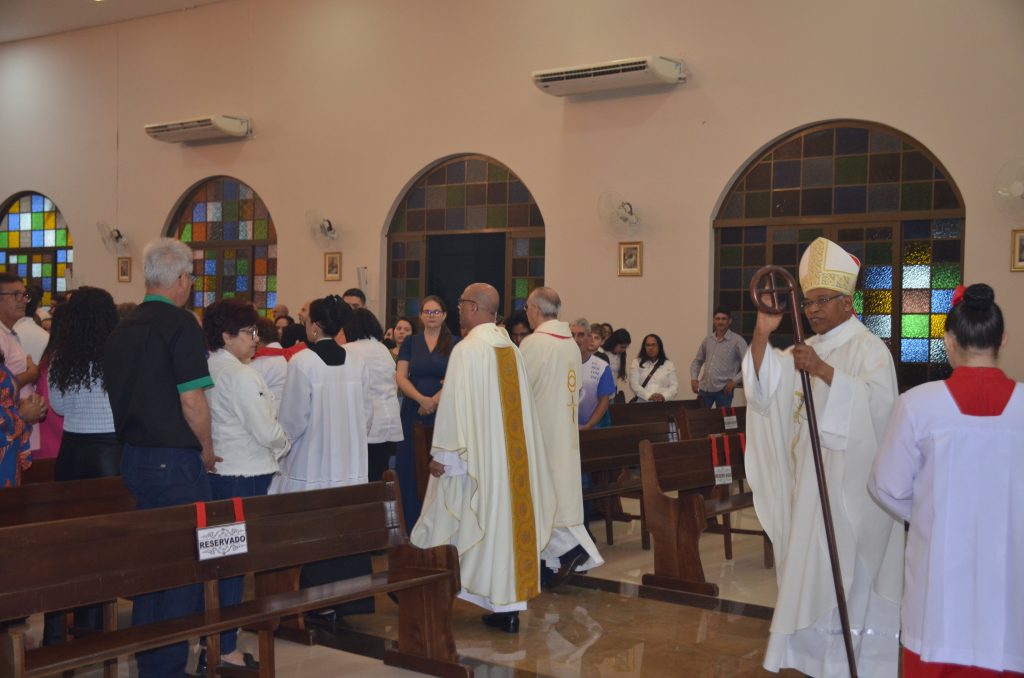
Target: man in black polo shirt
{"type": "Point", "coordinates": [155, 367]}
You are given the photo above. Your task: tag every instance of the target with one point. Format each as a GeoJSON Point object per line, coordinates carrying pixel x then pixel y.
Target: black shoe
{"type": "Point", "coordinates": [570, 561]}
{"type": "Point", "coordinates": [505, 621]}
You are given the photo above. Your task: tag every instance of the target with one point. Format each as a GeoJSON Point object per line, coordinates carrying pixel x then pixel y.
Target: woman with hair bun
{"type": "Point", "coordinates": [952, 465]}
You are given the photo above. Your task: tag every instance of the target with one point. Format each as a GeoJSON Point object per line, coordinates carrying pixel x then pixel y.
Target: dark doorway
{"type": "Point", "coordinates": [455, 261]}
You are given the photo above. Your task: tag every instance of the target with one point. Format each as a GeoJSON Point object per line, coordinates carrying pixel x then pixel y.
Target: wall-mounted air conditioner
{"type": "Point", "coordinates": [202, 129]}
{"type": "Point", "coordinates": [610, 75]}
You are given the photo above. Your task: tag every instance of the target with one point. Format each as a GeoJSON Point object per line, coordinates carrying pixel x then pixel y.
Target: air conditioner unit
{"type": "Point", "coordinates": [610, 75]}
{"type": "Point", "coordinates": [201, 129]}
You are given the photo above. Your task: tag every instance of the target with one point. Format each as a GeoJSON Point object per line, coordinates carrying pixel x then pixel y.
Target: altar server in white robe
{"type": "Point", "coordinates": [490, 494]}
{"type": "Point", "coordinates": [854, 386]}
{"type": "Point", "coordinates": [553, 365]}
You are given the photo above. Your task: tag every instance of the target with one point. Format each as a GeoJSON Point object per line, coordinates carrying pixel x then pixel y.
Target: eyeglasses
{"type": "Point", "coordinates": [192, 277]}
{"type": "Point", "coordinates": [808, 304]}
{"type": "Point", "coordinates": [467, 301]}
{"type": "Point", "coordinates": [432, 312]}
{"type": "Point", "coordinates": [18, 296]}
{"type": "Point", "coordinates": [249, 331]}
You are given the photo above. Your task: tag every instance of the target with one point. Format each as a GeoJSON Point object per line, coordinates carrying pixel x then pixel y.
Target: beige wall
{"type": "Point", "coordinates": [352, 99]}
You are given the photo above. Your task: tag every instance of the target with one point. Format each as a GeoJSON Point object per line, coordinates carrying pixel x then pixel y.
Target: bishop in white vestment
{"type": "Point", "coordinates": [554, 367]}
{"type": "Point", "coordinates": [490, 494]}
{"type": "Point", "coordinates": [854, 388]}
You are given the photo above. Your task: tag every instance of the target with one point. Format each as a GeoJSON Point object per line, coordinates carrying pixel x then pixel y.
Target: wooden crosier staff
{"type": "Point", "coordinates": [770, 297]}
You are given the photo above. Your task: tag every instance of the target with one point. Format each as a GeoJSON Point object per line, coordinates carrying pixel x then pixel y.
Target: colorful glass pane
{"type": "Point", "coordinates": [938, 325]}
{"type": "Point", "coordinates": [33, 221]}
{"type": "Point", "coordinates": [915, 325]}
{"type": "Point", "coordinates": [914, 350]}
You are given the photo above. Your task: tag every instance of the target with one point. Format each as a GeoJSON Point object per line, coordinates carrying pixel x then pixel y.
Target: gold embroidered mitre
{"type": "Point", "coordinates": [827, 266]}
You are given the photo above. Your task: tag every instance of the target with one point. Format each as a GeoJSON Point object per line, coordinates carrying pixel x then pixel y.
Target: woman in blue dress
{"type": "Point", "coordinates": [422, 362]}
{"type": "Point", "coordinates": [15, 418]}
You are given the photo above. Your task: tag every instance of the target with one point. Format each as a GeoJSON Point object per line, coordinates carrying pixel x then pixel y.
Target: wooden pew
{"type": "Point", "coordinates": [101, 558]}
{"type": "Point", "coordinates": [644, 413]}
{"type": "Point", "coordinates": [42, 502]}
{"type": "Point", "coordinates": [608, 454]}
{"type": "Point", "coordinates": [700, 423]}
{"type": "Point", "coordinates": [676, 524]}
{"type": "Point", "coordinates": [41, 471]}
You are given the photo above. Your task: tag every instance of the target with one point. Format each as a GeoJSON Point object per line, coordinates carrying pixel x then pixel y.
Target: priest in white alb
{"type": "Point", "coordinates": [853, 381]}
{"type": "Point", "coordinates": [490, 494]}
{"type": "Point", "coordinates": [553, 365]}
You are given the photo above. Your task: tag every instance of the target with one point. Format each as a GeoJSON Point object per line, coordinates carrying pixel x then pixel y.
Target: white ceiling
{"type": "Point", "coordinates": [20, 19]}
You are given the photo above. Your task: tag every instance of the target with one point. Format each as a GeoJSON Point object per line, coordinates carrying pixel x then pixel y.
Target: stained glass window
{"type": "Point", "coordinates": [36, 245]}
{"type": "Point", "coordinates": [463, 195]}
{"type": "Point", "coordinates": [879, 194]}
{"type": "Point", "coordinates": [234, 243]}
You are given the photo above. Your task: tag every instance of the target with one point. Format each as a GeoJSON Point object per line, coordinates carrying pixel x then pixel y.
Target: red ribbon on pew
{"type": "Point", "coordinates": [714, 451]}
{"type": "Point", "coordinates": [201, 512]}
{"type": "Point", "coordinates": [728, 411]}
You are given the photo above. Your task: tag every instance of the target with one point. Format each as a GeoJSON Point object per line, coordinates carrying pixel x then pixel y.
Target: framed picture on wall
{"type": "Point", "coordinates": [631, 258]}
{"type": "Point", "coordinates": [332, 265]}
{"type": "Point", "coordinates": [124, 269]}
{"type": "Point", "coordinates": [1017, 250]}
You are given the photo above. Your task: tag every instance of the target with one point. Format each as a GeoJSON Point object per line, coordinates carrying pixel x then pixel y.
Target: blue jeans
{"type": "Point", "coordinates": [720, 398]}
{"type": "Point", "coordinates": [227, 487]}
{"type": "Point", "coordinates": [159, 477]}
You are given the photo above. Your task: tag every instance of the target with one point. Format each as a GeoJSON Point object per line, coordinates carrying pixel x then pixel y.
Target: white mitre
{"type": "Point", "coordinates": [827, 266]}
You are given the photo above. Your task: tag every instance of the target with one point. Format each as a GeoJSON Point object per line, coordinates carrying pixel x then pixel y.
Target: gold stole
{"type": "Point", "coordinates": [524, 528]}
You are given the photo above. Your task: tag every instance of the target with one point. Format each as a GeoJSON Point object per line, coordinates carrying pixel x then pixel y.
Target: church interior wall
{"type": "Point", "coordinates": [351, 100]}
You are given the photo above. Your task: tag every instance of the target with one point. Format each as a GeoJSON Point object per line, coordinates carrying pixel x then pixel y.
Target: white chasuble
{"type": "Point", "coordinates": [852, 415]}
{"type": "Point", "coordinates": [555, 371]}
{"type": "Point", "coordinates": [495, 501]}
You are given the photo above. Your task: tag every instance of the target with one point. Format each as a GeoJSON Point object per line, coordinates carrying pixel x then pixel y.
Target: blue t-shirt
{"type": "Point", "coordinates": [597, 382]}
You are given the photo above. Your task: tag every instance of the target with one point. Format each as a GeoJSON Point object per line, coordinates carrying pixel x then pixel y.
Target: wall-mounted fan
{"type": "Point", "coordinates": [1009, 189]}
{"type": "Point", "coordinates": [114, 239]}
{"type": "Point", "coordinates": [321, 229]}
{"type": "Point", "coordinates": [615, 211]}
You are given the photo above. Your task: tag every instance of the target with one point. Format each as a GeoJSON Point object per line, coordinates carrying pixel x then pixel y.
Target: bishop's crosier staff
{"type": "Point", "coordinates": [775, 299]}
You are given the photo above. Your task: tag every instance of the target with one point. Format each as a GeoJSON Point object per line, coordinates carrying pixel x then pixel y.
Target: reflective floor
{"type": "Point", "coordinates": [602, 625]}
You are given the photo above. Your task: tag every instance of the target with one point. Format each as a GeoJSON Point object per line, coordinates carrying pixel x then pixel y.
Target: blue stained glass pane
{"type": "Point", "coordinates": [242, 283]}
{"type": "Point", "coordinates": [230, 190]}
{"type": "Point", "coordinates": [62, 256]}
{"type": "Point", "coordinates": [3, 257]}
{"type": "Point", "coordinates": [755, 234]}
{"type": "Point", "coordinates": [519, 304]}
{"type": "Point", "coordinates": [914, 351]}
{"type": "Point", "coordinates": [942, 300]}
{"type": "Point", "coordinates": [37, 239]}
{"type": "Point", "coordinates": [199, 212]}
{"type": "Point", "coordinates": [880, 325]}
{"type": "Point", "coordinates": [47, 284]}
{"type": "Point", "coordinates": [271, 299]}
{"type": "Point", "coordinates": [37, 203]}
{"type": "Point", "coordinates": [23, 270]}
{"type": "Point", "coordinates": [231, 230]}
{"type": "Point", "coordinates": [517, 193]}
{"type": "Point", "coordinates": [917, 277]}
{"type": "Point", "coordinates": [417, 198]}
{"type": "Point", "coordinates": [937, 351]}
{"type": "Point", "coordinates": [947, 228]}
{"type": "Point", "coordinates": [878, 278]}
{"type": "Point", "coordinates": [210, 267]}
{"type": "Point", "coordinates": [917, 230]}
{"type": "Point", "coordinates": [197, 299]}
{"type": "Point", "coordinates": [213, 211]}
{"type": "Point", "coordinates": [413, 307]}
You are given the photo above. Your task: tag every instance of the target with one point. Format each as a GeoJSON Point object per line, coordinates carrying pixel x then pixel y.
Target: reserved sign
{"type": "Point", "coordinates": [221, 541]}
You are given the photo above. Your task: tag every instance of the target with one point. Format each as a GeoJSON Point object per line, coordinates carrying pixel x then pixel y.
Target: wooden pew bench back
{"type": "Point", "coordinates": [703, 422]}
{"type": "Point", "coordinates": [43, 502]}
{"type": "Point", "coordinates": [643, 413]}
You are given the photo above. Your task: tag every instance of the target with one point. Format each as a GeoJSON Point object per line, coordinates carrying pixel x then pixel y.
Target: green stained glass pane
{"type": "Point", "coordinates": [536, 247]}
{"type": "Point", "coordinates": [497, 216]}
{"type": "Point", "coordinates": [412, 250]}
{"type": "Point", "coordinates": [456, 196]}
{"type": "Point", "coordinates": [858, 302]}
{"type": "Point", "coordinates": [412, 288]}
{"type": "Point", "coordinates": [852, 170]}
{"type": "Point", "coordinates": [260, 229]}
{"type": "Point", "coordinates": [917, 197]}
{"type": "Point", "coordinates": [496, 172]}
{"type": "Point", "coordinates": [229, 295]}
{"type": "Point", "coordinates": [938, 325]}
{"type": "Point", "coordinates": [809, 234]}
{"type": "Point", "coordinates": [917, 252]}
{"type": "Point", "coordinates": [47, 270]}
{"type": "Point", "coordinates": [878, 301]}
{"type": "Point", "coordinates": [915, 326]}
{"type": "Point", "coordinates": [759, 204]}
{"type": "Point", "coordinates": [879, 253]}
{"type": "Point", "coordinates": [521, 288]}
{"type": "Point", "coordinates": [271, 283]}
{"type": "Point", "coordinates": [229, 210]}
{"type": "Point", "coordinates": [37, 221]}
{"type": "Point", "coordinates": [186, 234]}
{"type": "Point", "coordinates": [398, 222]}
{"type": "Point", "coordinates": [3, 239]}
{"type": "Point", "coordinates": [946, 276]}
{"type": "Point", "coordinates": [731, 256]}
{"type": "Point", "coordinates": [242, 266]}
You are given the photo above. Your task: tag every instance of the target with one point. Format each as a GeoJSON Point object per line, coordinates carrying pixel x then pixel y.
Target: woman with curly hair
{"type": "Point", "coordinates": [89, 447]}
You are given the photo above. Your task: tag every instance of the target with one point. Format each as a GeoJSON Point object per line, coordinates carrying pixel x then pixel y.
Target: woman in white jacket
{"type": "Point", "coordinates": [652, 376]}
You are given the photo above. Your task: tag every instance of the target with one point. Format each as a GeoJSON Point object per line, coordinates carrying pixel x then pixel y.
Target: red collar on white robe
{"type": "Point", "coordinates": [980, 391]}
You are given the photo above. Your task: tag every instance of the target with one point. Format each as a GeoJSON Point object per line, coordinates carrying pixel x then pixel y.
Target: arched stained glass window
{"type": "Point", "coordinates": [465, 195]}
{"type": "Point", "coordinates": [233, 241]}
{"type": "Point", "coordinates": [35, 244]}
{"type": "Point", "coordinates": [881, 195]}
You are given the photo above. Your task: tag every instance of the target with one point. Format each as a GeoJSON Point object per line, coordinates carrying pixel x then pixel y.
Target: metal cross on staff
{"type": "Point", "coordinates": [775, 292]}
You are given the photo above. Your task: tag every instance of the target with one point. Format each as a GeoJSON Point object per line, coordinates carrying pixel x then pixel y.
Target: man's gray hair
{"type": "Point", "coordinates": [581, 322]}
{"type": "Point", "coordinates": [547, 300]}
{"type": "Point", "coordinates": [165, 260]}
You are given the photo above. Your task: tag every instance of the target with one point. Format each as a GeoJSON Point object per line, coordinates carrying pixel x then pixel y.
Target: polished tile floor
{"type": "Point", "coordinates": [603, 625]}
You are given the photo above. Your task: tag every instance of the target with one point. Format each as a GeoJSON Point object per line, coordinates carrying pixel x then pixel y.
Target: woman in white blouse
{"type": "Point", "coordinates": [246, 435]}
{"type": "Point", "coordinates": [363, 337]}
{"type": "Point", "coordinates": [652, 376]}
